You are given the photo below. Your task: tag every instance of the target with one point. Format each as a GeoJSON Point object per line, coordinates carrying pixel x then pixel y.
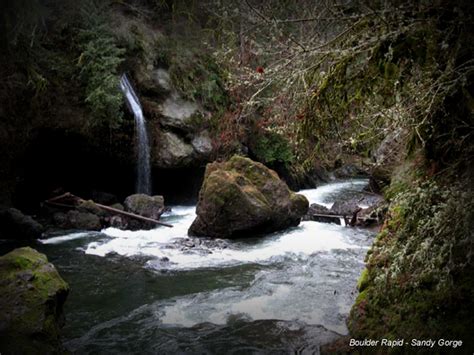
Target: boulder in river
{"type": "Point", "coordinates": [75, 219]}
{"type": "Point", "coordinates": [146, 206]}
{"type": "Point", "coordinates": [241, 198]}
{"type": "Point", "coordinates": [16, 225]}
{"type": "Point", "coordinates": [33, 295]}
{"type": "Point", "coordinates": [345, 207]}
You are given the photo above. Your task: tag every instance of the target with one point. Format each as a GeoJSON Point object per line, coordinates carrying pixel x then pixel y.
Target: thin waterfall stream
{"type": "Point", "coordinates": [143, 184]}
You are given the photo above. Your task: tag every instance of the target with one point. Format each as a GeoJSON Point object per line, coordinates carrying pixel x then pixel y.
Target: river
{"type": "Point", "coordinates": [160, 291]}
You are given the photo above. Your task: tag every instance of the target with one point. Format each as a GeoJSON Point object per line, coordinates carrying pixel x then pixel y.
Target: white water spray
{"type": "Point", "coordinates": [143, 164]}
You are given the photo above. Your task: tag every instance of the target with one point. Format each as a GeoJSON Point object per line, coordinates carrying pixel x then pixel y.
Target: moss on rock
{"type": "Point", "coordinates": [241, 198]}
{"type": "Point", "coordinates": [33, 294]}
{"type": "Point", "coordinates": [419, 279]}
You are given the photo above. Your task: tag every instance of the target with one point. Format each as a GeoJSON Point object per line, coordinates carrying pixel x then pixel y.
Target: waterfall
{"type": "Point", "coordinates": [143, 164]}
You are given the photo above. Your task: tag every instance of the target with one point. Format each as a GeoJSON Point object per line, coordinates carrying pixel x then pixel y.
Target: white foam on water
{"type": "Point", "coordinates": [164, 243]}
{"type": "Point", "coordinates": [65, 238]}
{"type": "Point", "coordinates": [323, 194]}
{"type": "Point", "coordinates": [302, 241]}
{"type": "Point", "coordinates": [297, 292]}
{"type": "Point", "coordinates": [145, 242]}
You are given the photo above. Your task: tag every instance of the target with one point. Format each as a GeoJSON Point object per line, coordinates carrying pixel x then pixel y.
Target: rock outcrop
{"type": "Point", "coordinates": [242, 198]}
{"type": "Point", "coordinates": [33, 295]}
{"type": "Point", "coordinates": [15, 225]}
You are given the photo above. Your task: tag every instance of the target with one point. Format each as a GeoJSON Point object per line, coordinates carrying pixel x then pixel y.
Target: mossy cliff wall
{"type": "Point", "coordinates": [419, 281]}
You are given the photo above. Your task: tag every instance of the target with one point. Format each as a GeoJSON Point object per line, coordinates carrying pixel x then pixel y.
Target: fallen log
{"type": "Point", "coordinates": [78, 200]}
{"type": "Point", "coordinates": [133, 215]}
{"type": "Point", "coordinates": [326, 218]}
{"type": "Point", "coordinates": [334, 218]}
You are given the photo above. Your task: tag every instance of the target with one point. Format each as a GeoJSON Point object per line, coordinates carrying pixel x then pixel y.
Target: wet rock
{"type": "Point", "coordinates": [345, 207]}
{"type": "Point", "coordinates": [317, 208]}
{"type": "Point", "coordinates": [118, 206]}
{"type": "Point", "coordinates": [90, 207]}
{"type": "Point", "coordinates": [16, 225]}
{"type": "Point", "coordinates": [144, 205]}
{"type": "Point", "coordinates": [118, 222]}
{"type": "Point", "coordinates": [33, 295]}
{"type": "Point", "coordinates": [241, 198]}
{"type": "Point", "coordinates": [77, 220]}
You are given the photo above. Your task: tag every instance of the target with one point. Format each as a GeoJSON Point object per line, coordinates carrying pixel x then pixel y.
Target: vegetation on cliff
{"type": "Point", "coordinates": [296, 86]}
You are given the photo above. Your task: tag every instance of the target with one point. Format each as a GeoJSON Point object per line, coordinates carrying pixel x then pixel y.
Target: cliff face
{"type": "Point", "coordinates": [419, 278]}
{"type": "Point", "coordinates": [64, 124]}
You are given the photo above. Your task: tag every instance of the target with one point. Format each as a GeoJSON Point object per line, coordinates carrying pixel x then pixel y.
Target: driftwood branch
{"type": "Point", "coordinates": [78, 200]}
{"type": "Point", "coordinates": [132, 215]}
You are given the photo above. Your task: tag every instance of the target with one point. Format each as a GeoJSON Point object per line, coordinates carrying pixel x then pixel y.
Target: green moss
{"type": "Point", "coordinates": [414, 287]}
{"type": "Point", "coordinates": [270, 148]}
{"type": "Point", "coordinates": [363, 281]}
{"type": "Point", "coordinates": [22, 262]}
{"type": "Point", "coordinates": [33, 293]}
{"type": "Point", "coordinates": [361, 298]}
{"type": "Point", "coordinates": [196, 75]}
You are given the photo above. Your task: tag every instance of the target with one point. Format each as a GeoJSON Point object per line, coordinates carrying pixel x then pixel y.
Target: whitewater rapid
{"type": "Point", "coordinates": [167, 243]}
{"type": "Point", "coordinates": [303, 274]}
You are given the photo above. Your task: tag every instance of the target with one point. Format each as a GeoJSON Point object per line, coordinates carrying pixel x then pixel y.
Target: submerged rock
{"type": "Point", "coordinates": [241, 198]}
{"type": "Point", "coordinates": [33, 295]}
{"type": "Point", "coordinates": [16, 225]}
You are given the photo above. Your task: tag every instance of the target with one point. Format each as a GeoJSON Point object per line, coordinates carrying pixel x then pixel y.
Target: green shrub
{"type": "Point", "coordinates": [271, 147]}
{"type": "Point", "coordinates": [99, 62]}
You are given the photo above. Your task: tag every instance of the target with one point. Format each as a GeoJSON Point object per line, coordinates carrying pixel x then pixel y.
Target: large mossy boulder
{"type": "Point", "coordinates": [242, 198]}
{"type": "Point", "coordinates": [31, 303]}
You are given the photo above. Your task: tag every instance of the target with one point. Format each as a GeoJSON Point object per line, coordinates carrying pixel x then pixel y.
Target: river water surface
{"type": "Point", "coordinates": [160, 291]}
